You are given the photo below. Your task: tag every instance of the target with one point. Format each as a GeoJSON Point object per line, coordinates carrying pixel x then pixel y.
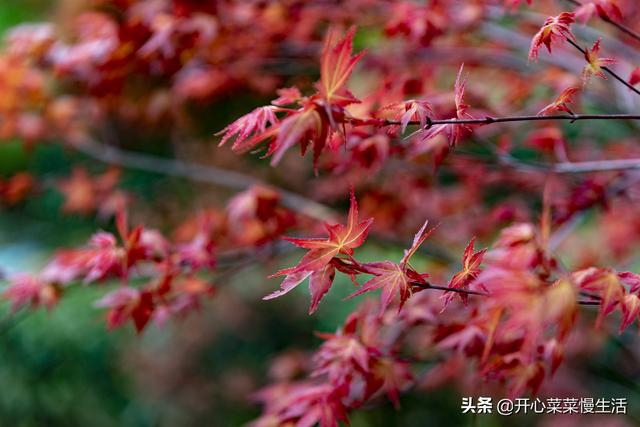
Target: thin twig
{"type": "Point", "coordinates": [478, 293]}
{"type": "Point", "coordinates": [198, 172]}
{"type": "Point", "coordinates": [448, 289]}
{"type": "Point", "coordinates": [596, 166]}
{"type": "Point", "coordinates": [490, 120]}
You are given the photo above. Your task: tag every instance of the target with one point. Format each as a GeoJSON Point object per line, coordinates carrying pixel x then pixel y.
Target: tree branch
{"type": "Point", "coordinates": [197, 172]}
{"type": "Point", "coordinates": [596, 166]}
{"type": "Point", "coordinates": [489, 120]}
{"type": "Point", "coordinates": [478, 293]}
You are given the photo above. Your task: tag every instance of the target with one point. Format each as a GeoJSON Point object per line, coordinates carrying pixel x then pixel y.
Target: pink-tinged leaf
{"type": "Point", "coordinates": [630, 306]}
{"type": "Point", "coordinates": [561, 102]}
{"type": "Point", "coordinates": [553, 354]}
{"type": "Point", "coordinates": [418, 240]}
{"type": "Point", "coordinates": [395, 376]}
{"type": "Point", "coordinates": [605, 284]}
{"type": "Point", "coordinates": [26, 290]}
{"type": "Point", "coordinates": [470, 270]}
{"type": "Point", "coordinates": [317, 263]}
{"type": "Point", "coordinates": [408, 111]}
{"type": "Point", "coordinates": [389, 277]}
{"type": "Point", "coordinates": [471, 336]}
{"type": "Point", "coordinates": [255, 123]}
{"type": "Point", "coordinates": [554, 28]}
{"type": "Point", "coordinates": [127, 303]}
{"type": "Point", "coordinates": [336, 65]}
{"type": "Point", "coordinates": [458, 89]}
{"type": "Point", "coordinates": [319, 284]}
{"type": "Point", "coordinates": [630, 279]}
{"type": "Point", "coordinates": [300, 127]}
{"type": "Point", "coordinates": [595, 63]}
{"type": "Point", "coordinates": [429, 133]}
{"type": "Point", "coordinates": [287, 96]}
{"type": "Point", "coordinates": [292, 280]}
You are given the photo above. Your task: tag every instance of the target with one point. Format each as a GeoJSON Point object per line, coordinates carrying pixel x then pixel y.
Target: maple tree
{"type": "Point", "coordinates": [423, 112]}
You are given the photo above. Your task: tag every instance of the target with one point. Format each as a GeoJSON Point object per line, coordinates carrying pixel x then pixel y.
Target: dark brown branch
{"type": "Point", "coordinates": [627, 30]}
{"type": "Point", "coordinates": [445, 288]}
{"type": "Point", "coordinates": [428, 285]}
{"type": "Point", "coordinates": [490, 120]}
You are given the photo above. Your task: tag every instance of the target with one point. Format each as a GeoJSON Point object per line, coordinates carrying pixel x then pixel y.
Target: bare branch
{"type": "Point", "coordinates": [478, 293]}
{"type": "Point", "coordinates": [200, 173]}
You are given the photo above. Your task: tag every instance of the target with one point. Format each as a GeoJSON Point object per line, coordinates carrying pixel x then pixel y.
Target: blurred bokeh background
{"type": "Point", "coordinates": [61, 368]}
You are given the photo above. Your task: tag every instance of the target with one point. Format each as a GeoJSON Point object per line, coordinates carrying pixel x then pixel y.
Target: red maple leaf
{"type": "Point", "coordinates": [560, 103]}
{"type": "Point", "coordinates": [255, 123]}
{"type": "Point", "coordinates": [27, 290]}
{"type": "Point", "coordinates": [411, 110]}
{"type": "Point", "coordinates": [630, 306]}
{"type": "Point", "coordinates": [470, 269]}
{"type": "Point", "coordinates": [394, 278]}
{"type": "Point", "coordinates": [389, 277]}
{"type": "Point", "coordinates": [336, 65]}
{"type": "Point", "coordinates": [342, 239]}
{"type": "Point", "coordinates": [595, 63]}
{"type": "Point", "coordinates": [128, 303]}
{"type": "Point", "coordinates": [606, 284]}
{"type": "Point", "coordinates": [554, 28]}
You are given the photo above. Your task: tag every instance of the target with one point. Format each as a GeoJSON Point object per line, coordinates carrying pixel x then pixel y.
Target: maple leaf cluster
{"type": "Point", "coordinates": [520, 311]}
{"type": "Point", "coordinates": [160, 278]}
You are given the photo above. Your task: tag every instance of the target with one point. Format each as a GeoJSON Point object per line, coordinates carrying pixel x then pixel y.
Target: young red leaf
{"type": "Point", "coordinates": [595, 63]}
{"type": "Point", "coordinates": [418, 240]}
{"type": "Point", "coordinates": [605, 284]}
{"type": "Point", "coordinates": [255, 123]}
{"type": "Point", "coordinates": [554, 28]}
{"type": "Point", "coordinates": [342, 239]}
{"type": "Point", "coordinates": [389, 277]}
{"type": "Point", "coordinates": [303, 126]}
{"type": "Point", "coordinates": [128, 303]}
{"type": "Point", "coordinates": [287, 96]}
{"type": "Point", "coordinates": [395, 376]}
{"type": "Point", "coordinates": [630, 306]}
{"type": "Point", "coordinates": [319, 284]}
{"type": "Point", "coordinates": [26, 290]}
{"type": "Point", "coordinates": [560, 103]}
{"type": "Point", "coordinates": [336, 65]}
{"type": "Point", "coordinates": [470, 269]}
{"type": "Point", "coordinates": [411, 110]}
{"type": "Point", "coordinates": [453, 131]}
